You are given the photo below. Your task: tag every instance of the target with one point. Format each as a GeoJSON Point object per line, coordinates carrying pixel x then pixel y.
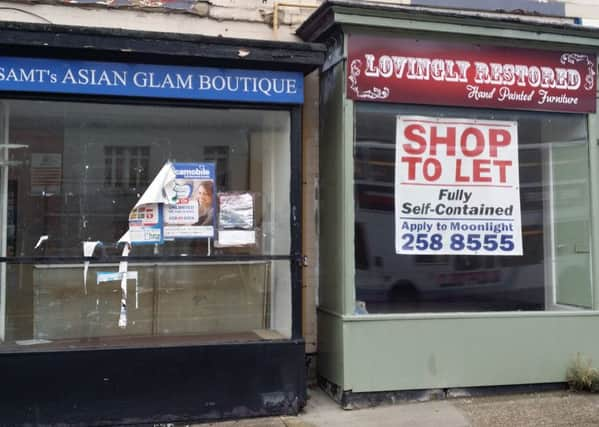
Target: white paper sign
{"type": "Point", "coordinates": [457, 187]}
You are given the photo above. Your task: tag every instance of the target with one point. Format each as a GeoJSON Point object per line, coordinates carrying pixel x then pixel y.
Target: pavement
{"type": "Point", "coordinates": [556, 408]}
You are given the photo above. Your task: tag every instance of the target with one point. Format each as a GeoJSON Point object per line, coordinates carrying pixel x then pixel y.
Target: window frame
{"type": "Point", "coordinates": [294, 256]}
{"type": "Point", "coordinates": [550, 280]}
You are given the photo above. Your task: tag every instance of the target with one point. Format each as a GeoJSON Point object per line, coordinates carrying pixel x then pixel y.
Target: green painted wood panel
{"type": "Point", "coordinates": [423, 353]}
{"type": "Point", "coordinates": [593, 129]}
{"type": "Point", "coordinates": [571, 225]}
{"type": "Point", "coordinates": [330, 347]}
{"type": "Point", "coordinates": [336, 221]}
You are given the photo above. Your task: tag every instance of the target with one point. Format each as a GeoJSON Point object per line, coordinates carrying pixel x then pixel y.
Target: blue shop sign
{"type": "Point", "coordinates": [155, 81]}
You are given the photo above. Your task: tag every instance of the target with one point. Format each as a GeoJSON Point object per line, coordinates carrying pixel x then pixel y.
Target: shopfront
{"type": "Point", "coordinates": [458, 203]}
{"type": "Point", "coordinates": [151, 240]}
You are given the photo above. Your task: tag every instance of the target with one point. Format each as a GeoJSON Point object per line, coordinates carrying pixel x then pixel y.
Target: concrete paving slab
{"type": "Point", "coordinates": [322, 411]}
{"type": "Point", "coordinates": [555, 409]}
{"type": "Point", "coordinates": [296, 422]}
{"type": "Point", "coordinates": [548, 409]}
{"type": "Point", "coordinates": [252, 422]}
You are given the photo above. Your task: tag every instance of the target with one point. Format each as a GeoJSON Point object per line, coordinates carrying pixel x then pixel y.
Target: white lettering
{"type": "Point", "coordinates": [492, 73]}
{"type": "Point", "coordinates": [545, 98]}
{"type": "Point", "coordinates": [482, 72]}
{"type": "Point", "coordinates": [140, 79]}
{"type": "Point", "coordinates": [534, 76]}
{"type": "Point", "coordinates": [475, 93]}
{"type": "Point", "coordinates": [291, 87]}
{"type": "Point", "coordinates": [69, 77]}
{"type": "Point", "coordinates": [573, 79]}
{"type": "Point", "coordinates": [204, 82]}
{"type": "Point", "coordinates": [463, 69]}
{"type": "Point", "coordinates": [265, 86]}
{"type": "Point", "coordinates": [218, 83]}
{"type": "Point", "coordinates": [370, 70]}
{"type": "Point", "coordinates": [184, 82]}
{"type": "Point", "coordinates": [385, 66]}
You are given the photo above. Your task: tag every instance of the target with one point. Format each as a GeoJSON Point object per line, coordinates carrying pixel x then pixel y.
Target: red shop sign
{"type": "Point", "coordinates": [429, 72]}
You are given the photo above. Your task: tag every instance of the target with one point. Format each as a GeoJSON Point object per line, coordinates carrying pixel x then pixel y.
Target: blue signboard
{"type": "Point", "coordinates": [155, 81]}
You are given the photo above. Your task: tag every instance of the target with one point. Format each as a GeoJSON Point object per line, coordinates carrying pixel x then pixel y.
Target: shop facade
{"type": "Point", "coordinates": [151, 221]}
{"type": "Point", "coordinates": [447, 261]}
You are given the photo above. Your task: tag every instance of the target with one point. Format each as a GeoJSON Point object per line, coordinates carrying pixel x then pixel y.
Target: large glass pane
{"type": "Point", "coordinates": [171, 304]}
{"type": "Point", "coordinates": [554, 271]}
{"type": "Point", "coordinates": [74, 173]}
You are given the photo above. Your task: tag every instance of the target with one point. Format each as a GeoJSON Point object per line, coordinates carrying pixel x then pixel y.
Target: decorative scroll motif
{"type": "Point", "coordinates": [374, 93]}
{"type": "Point", "coordinates": [573, 58]}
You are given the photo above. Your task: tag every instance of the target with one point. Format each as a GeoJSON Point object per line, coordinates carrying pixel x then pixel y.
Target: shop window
{"type": "Point", "coordinates": [554, 271]}
{"type": "Point", "coordinates": [227, 279]}
{"type": "Point", "coordinates": [220, 156]}
{"type": "Point", "coordinates": [126, 167]}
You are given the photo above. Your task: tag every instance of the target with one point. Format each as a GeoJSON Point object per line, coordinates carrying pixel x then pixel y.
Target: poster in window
{"type": "Point", "coordinates": [11, 218]}
{"type": "Point", "coordinates": [145, 224]}
{"type": "Point", "coordinates": [236, 220]}
{"type": "Point", "coordinates": [457, 187]}
{"type": "Point", "coordinates": [190, 214]}
{"type": "Point", "coordinates": [46, 173]}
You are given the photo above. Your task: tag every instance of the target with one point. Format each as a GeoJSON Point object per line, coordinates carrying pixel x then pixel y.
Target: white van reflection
{"type": "Point", "coordinates": [388, 282]}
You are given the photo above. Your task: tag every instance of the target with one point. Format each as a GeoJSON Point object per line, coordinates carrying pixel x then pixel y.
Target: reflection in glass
{"type": "Point", "coordinates": [79, 171]}
{"type": "Point", "coordinates": [553, 273]}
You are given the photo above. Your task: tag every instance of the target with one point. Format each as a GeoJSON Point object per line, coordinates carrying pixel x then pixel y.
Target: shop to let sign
{"type": "Point", "coordinates": [457, 187]}
{"type": "Point", "coordinates": [440, 73]}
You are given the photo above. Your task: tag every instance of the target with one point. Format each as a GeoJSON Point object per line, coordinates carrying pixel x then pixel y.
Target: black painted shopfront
{"type": "Point", "coordinates": [150, 199]}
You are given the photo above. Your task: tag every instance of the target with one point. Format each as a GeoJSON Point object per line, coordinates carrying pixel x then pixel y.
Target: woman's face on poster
{"type": "Point", "coordinates": [205, 195]}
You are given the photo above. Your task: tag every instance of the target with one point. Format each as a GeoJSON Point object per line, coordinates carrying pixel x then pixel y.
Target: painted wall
{"type": "Point", "coordinates": [461, 351]}
{"type": "Point", "coordinates": [251, 19]}
{"type": "Point", "coordinates": [310, 211]}
{"type": "Point", "coordinates": [254, 19]}
{"type": "Point", "coordinates": [532, 8]}
{"type": "Point", "coordinates": [336, 193]}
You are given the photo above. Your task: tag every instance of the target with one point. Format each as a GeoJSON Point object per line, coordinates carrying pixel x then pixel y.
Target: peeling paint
{"type": "Point", "coordinates": [274, 399]}
{"type": "Point", "coordinates": [185, 5]}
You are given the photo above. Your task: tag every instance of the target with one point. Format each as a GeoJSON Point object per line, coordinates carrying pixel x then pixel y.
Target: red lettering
{"type": "Point", "coordinates": [498, 138]}
{"type": "Point", "coordinates": [436, 169]}
{"type": "Point", "coordinates": [411, 161]}
{"type": "Point", "coordinates": [458, 172]}
{"type": "Point", "coordinates": [502, 165]}
{"type": "Point", "coordinates": [410, 133]}
{"type": "Point", "coordinates": [447, 139]}
{"type": "Point", "coordinates": [479, 139]}
{"type": "Point", "coordinates": [479, 168]}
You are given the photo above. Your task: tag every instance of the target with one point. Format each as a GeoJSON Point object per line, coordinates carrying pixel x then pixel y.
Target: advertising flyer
{"type": "Point", "coordinates": [190, 212]}
{"type": "Point", "coordinates": [457, 187]}
{"type": "Point", "coordinates": [236, 210]}
{"type": "Point", "coordinates": [145, 224]}
{"type": "Point", "coordinates": [236, 220]}
{"type": "Point", "coordinates": [46, 173]}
